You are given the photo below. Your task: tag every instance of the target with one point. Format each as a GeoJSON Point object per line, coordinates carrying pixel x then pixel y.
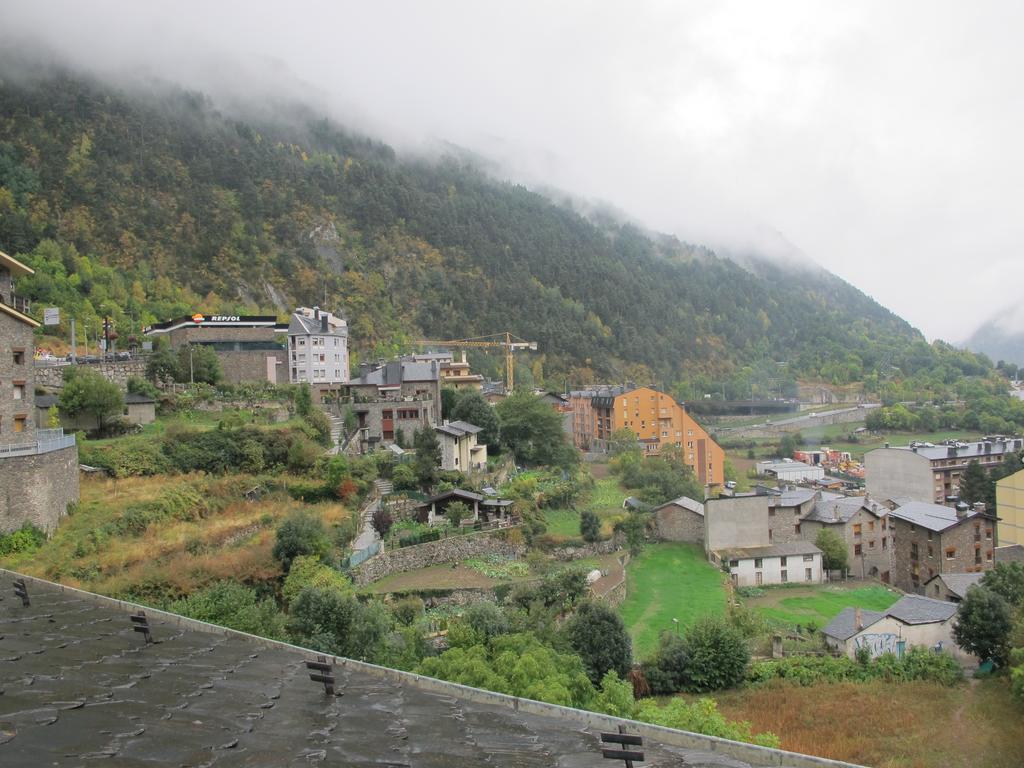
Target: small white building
{"type": "Point", "coordinates": [318, 350]}
{"type": "Point", "coordinates": [792, 562]}
{"type": "Point", "coordinates": [912, 620]}
{"type": "Point", "coordinates": [790, 471]}
{"type": "Point", "coordinates": [459, 447]}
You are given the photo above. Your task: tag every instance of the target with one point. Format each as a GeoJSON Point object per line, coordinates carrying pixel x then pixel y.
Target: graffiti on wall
{"type": "Point", "coordinates": [877, 644]}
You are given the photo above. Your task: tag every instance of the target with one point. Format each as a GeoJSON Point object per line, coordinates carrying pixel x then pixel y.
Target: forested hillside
{"type": "Point", "coordinates": [150, 205]}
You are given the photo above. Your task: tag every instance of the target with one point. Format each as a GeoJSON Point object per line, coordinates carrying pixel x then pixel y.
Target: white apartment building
{"type": "Point", "coordinates": [318, 350]}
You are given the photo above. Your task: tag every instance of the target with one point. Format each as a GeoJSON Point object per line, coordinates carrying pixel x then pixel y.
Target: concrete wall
{"type": "Point", "coordinates": [253, 365]}
{"type": "Point", "coordinates": [1010, 508]}
{"type": "Point", "coordinates": [38, 489]}
{"type": "Point", "coordinates": [893, 473]}
{"type": "Point", "coordinates": [52, 376]}
{"type": "Point", "coordinates": [452, 549]}
{"type": "Point", "coordinates": [675, 523]}
{"type": "Point", "coordinates": [16, 335]}
{"type": "Point", "coordinates": [734, 523]}
{"type": "Point", "coordinates": [882, 637]}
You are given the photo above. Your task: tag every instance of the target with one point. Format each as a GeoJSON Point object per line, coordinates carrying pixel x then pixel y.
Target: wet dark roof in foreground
{"type": "Point", "coordinates": [78, 686]}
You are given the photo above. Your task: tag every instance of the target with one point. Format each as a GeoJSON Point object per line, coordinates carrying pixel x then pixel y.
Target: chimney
{"type": "Point", "coordinates": [979, 507]}
{"type": "Point", "coordinates": [961, 510]}
{"type": "Point", "coordinates": [858, 619]}
{"type": "Point", "coordinates": [316, 313]}
{"type": "Point", "coordinates": [323, 323]}
{"type": "Point", "coordinates": [835, 511]}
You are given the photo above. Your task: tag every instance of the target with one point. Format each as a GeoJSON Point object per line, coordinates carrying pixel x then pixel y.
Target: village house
{"type": "Point", "coordinates": [318, 351]}
{"type": "Point", "coordinates": [681, 519]}
{"type": "Point", "coordinates": [862, 524]}
{"type": "Point", "coordinates": [926, 472]}
{"type": "Point", "coordinates": [459, 447]}
{"type": "Point", "coordinates": [392, 400]}
{"type": "Point", "coordinates": [38, 467]}
{"type": "Point", "coordinates": [655, 418]}
{"type": "Point", "coordinates": [138, 410]}
{"type": "Point", "coordinates": [912, 620]}
{"type": "Point", "coordinates": [931, 539]}
{"type": "Point", "coordinates": [798, 561]}
{"type": "Point", "coordinates": [951, 587]}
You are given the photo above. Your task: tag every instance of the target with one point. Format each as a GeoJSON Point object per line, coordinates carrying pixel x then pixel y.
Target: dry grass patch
{"type": "Point", "coordinates": [908, 725]}
{"type": "Point", "coordinates": [223, 536]}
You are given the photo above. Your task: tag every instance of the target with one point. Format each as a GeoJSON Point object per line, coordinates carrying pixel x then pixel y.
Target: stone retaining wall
{"type": "Point", "coordinates": [452, 549]}
{"type": "Point", "coordinates": [52, 376]}
{"type": "Point", "coordinates": [568, 554]}
{"type": "Point", "coordinates": [37, 489]}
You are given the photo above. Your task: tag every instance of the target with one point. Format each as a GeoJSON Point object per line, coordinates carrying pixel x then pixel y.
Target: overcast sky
{"type": "Point", "coordinates": [882, 140]}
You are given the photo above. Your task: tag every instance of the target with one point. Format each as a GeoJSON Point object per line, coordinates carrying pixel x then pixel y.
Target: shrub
{"type": "Point", "coordinates": [718, 655]}
{"type": "Point", "coordinates": [302, 454]}
{"type": "Point", "coordinates": [407, 610]}
{"type": "Point", "coordinates": [918, 663]}
{"type": "Point", "coordinates": [327, 620]}
{"type": "Point", "coordinates": [28, 538]}
{"type": "Point", "coordinates": [309, 571]}
{"type": "Point", "coordinates": [234, 605]}
{"type": "Point", "coordinates": [300, 534]}
{"type": "Point", "coordinates": [666, 672]}
{"type": "Point", "coordinates": [590, 526]}
{"type": "Point", "coordinates": [701, 717]}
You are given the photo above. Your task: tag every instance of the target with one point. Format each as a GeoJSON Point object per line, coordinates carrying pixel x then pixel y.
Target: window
{"type": "Point", "coordinates": [785, 576]}
{"type": "Point", "coordinates": [988, 555]}
{"type": "Point", "coordinates": [302, 341]}
{"type": "Point", "coordinates": [988, 534]}
{"type": "Point", "coordinates": [871, 544]}
{"type": "Point", "coordinates": [783, 562]}
{"type": "Point", "coordinates": [758, 578]}
{"type": "Point", "coordinates": [913, 550]}
{"type": "Point", "coordinates": [758, 562]}
{"type": "Point", "coordinates": [856, 529]}
{"type": "Point", "coordinates": [807, 574]}
{"type": "Point", "coordinates": [871, 525]}
{"type": "Point", "coordinates": [796, 528]}
{"type": "Point", "coordinates": [930, 553]}
{"type": "Point", "coordinates": [734, 563]}
{"type": "Point", "coordinates": [808, 558]}
{"type": "Point", "coordinates": [19, 423]}
{"type": "Point", "coordinates": [951, 553]}
{"type": "Point", "coordinates": [769, 535]}
{"type": "Point", "coordinates": [977, 557]}
{"type": "Point", "coordinates": [857, 550]}
{"type": "Point", "coordinates": [19, 390]}
{"type": "Point", "coordinates": [883, 543]}
{"type": "Point", "coordinates": [929, 535]}
{"type": "Point", "coordinates": [19, 356]}
{"type": "Point", "coordinates": [771, 511]}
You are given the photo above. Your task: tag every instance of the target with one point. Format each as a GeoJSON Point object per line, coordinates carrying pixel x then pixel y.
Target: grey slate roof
{"type": "Point", "coordinates": [134, 398]}
{"type": "Point", "coordinates": [840, 510]}
{"type": "Point", "coordinates": [686, 503]}
{"type": "Point", "coordinates": [46, 401]}
{"type": "Point", "coordinates": [844, 626]}
{"type": "Point", "coordinates": [957, 583]}
{"type": "Point", "coordinates": [395, 372]}
{"type": "Point", "coordinates": [81, 688]}
{"type": "Point", "coordinates": [774, 550]}
{"type": "Point", "coordinates": [915, 609]}
{"type": "Point", "coordinates": [465, 426]}
{"type": "Point", "coordinates": [934, 517]}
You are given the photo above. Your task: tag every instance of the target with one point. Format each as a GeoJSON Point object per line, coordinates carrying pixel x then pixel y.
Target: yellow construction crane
{"type": "Point", "coordinates": [504, 340]}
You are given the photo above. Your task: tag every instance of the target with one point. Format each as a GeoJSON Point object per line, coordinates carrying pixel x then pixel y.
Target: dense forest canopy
{"type": "Point", "coordinates": [146, 206]}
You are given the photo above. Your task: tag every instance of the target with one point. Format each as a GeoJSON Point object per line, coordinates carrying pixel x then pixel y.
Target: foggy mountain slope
{"type": "Point", "coordinates": [999, 342]}
{"type": "Point", "coordinates": [147, 207]}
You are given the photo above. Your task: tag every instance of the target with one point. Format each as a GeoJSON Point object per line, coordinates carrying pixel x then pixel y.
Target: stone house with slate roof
{"type": "Point", "coordinates": [392, 398]}
{"type": "Point", "coordinates": [860, 522]}
{"type": "Point", "coordinates": [932, 539]}
{"type": "Point", "coordinates": [912, 620]}
{"type": "Point", "coordinates": [681, 519]}
{"type": "Point", "coordinates": [951, 587]}
{"type": "Point", "coordinates": [459, 447]}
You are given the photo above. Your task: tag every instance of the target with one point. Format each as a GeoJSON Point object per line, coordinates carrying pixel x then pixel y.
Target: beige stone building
{"type": "Point", "coordinates": [1010, 508]}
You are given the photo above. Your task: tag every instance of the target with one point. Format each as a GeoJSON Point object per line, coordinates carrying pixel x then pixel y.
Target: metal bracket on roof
{"type": "Point", "coordinates": [20, 590]}
{"type": "Point", "coordinates": [623, 739]}
{"type": "Point", "coordinates": [322, 672]}
{"type": "Point", "coordinates": [141, 624]}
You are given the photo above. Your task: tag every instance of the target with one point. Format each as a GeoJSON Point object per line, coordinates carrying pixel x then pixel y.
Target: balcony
{"type": "Point", "coordinates": [19, 303]}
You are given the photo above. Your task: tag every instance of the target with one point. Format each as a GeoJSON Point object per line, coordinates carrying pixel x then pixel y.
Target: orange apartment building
{"type": "Point", "coordinates": [657, 420]}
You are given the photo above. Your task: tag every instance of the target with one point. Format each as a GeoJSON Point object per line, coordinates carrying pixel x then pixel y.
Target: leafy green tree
{"type": "Point", "coordinates": [983, 625]}
{"type": "Point", "coordinates": [140, 386]}
{"type": "Point", "coordinates": [53, 417]}
{"type": "Point", "coordinates": [621, 441]}
{"type": "Point", "coordinates": [310, 571]}
{"type": "Point", "coordinates": [598, 636]}
{"type": "Point", "coordinates": [234, 605]}
{"type": "Point", "coordinates": [337, 623]}
{"type": "Point", "coordinates": [300, 534]}
{"type": "Point", "coordinates": [88, 393]}
{"type": "Point", "coordinates": [634, 528]}
{"type": "Point", "coordinates": [788, 445]}
{"type": "Point", "coordinates": [718, 655]}
{"type": "Point", "coordinates": [198, 363]}
{"type": "Point", "coordinates": [473, 408]}
{"type": "Point", "coordinates": [532, 430]}
{"type": "Point", "coordinates": [162, 364]}
{"type": "Point", "coordinates": [975, 483]}
{"type": "Point", "coordinates": [449, 398]}
{"type": "Point", "coordinates": [590, 526]}
{"type": "Point", "coordinates": [303, 400]}
{"type": "Point", "coordinates": [456, 512]}
{"type": "Point", "coordinates": [1007, 581]}
{"type": "Point", "coordinates": [834, 553]}
{"type": "Point", "coordinates": [427, 463]}
{"type": "Point", "coordinates": [666, 672]}
{"type": "Point", "coordinates": [403, 477]}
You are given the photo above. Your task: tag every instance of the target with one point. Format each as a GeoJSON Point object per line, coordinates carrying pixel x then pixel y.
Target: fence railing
{"type": "Point", "coordinates": [361, 556]}
{"type": "Point", "coordinates": [46, 441]}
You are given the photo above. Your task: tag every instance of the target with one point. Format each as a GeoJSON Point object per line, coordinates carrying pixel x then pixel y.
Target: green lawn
{"type": "Point", "coordinates": [665, 582]}
{"type": "Point", "coordinates": [607, 496]}
{"type": "Point", "coordinates": [563, 523]}
{"type": "Point", "coordinates": [801, 605]}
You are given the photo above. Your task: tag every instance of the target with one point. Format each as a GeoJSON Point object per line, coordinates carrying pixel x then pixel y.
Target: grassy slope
{"type": "Point", "coordinates": [605, 500]}
{"type": "Point", "coordinates": [910, 725]}
{"type": "Point", "coordinates": [668, 581]}
{"type": "Point", "coordinates": [171, 557]}
{"type": "Point", "coordinates": [800, 605]}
